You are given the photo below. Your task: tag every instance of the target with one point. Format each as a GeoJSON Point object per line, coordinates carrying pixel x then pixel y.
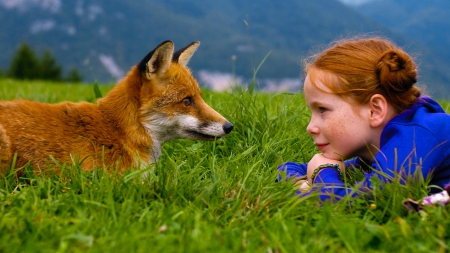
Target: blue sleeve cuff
{"type": "Point", "coordinates": [293, 169]}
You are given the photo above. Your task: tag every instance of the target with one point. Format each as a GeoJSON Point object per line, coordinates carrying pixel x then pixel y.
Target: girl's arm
{"type": "Point", "coordinates": [326, 175]}
{"type": "Point", "coordinates": [299, 171]}
{"type": "Point", "coordinates": [292, 169]}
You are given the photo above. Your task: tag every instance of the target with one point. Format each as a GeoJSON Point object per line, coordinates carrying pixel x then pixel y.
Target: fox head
{"type": "Point", "coordinates": [171, 103]}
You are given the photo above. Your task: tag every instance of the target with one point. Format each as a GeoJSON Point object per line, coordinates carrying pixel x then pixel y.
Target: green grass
{"type": "Point", "coordinates": [208, 196]}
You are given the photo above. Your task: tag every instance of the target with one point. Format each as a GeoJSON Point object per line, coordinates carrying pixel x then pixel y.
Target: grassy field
{"type": "Point", "coordinates": [208, 196]}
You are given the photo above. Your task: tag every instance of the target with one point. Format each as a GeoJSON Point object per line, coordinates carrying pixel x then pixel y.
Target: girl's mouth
{"type": "Point", "coordinates": [321, 146]}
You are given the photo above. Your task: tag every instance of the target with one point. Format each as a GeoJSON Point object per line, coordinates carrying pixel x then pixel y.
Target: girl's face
{"type": "Point", "coordinates": [341, 128]}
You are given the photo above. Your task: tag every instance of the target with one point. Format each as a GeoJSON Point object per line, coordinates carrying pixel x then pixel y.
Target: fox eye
{"type": "Point", "coordinates": [187, 101]}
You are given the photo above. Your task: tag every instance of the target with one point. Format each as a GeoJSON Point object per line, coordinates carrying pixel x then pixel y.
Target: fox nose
{"type": "Point", "coordinates": [227, 127]}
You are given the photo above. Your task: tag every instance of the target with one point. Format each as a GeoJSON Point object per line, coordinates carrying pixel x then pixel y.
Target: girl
{"type": "Point", "coordinates": [365, 107]}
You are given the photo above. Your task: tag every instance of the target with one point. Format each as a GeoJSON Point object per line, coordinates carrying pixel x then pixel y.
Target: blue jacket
{"type": "Point", "coordinates": [417, 138]}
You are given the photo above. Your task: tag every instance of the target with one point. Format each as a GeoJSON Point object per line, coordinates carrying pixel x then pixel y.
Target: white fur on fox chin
{"type": "Point", "coordinates": [162, 128]}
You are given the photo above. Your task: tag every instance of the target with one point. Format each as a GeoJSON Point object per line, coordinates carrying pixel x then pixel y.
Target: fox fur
{"type": "Point", "coordinates": [157, 101]}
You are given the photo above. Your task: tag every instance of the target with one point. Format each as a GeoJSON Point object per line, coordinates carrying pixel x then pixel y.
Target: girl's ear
{"type": "Point", "coordinates": [379, 110]}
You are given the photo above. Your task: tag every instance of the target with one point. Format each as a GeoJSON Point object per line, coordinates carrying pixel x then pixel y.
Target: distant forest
{"type": "Point", "coordinates": [25, 65]}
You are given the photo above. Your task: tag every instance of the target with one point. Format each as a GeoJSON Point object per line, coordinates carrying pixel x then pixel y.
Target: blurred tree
{"type": "Point", "coordinates": [49, 70]}
{"type": "Point", "coordinates": [74, 76]}
{"type": "Point", "coordinates": [24, 64]}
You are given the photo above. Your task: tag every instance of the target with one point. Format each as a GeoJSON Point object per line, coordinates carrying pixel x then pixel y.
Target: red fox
{"type": "Point", "coordinates": [157, 101]}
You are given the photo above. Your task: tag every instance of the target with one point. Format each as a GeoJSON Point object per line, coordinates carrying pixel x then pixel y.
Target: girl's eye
{"type": "Point", "coordinates": [187, 101]}
{"type": "Point", "coordinates": [322, 109]}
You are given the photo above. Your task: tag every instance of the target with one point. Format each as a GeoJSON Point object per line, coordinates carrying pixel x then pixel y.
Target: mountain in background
{"type": "Point", "coordinates": [103, 39]}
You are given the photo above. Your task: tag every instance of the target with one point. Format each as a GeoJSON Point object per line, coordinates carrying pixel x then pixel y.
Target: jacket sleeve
{"type": "Point", "coordinates": [331, 185]}
{"type": "Point", "coordinates": [293, 169]}
{"type": "Point", "coordinates": [300, 169]}
{"type": "Point", "coordinates": [328, 179]}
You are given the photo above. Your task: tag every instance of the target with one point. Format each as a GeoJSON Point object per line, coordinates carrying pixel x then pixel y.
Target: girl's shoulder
{"type": "Point", "coordinates": [425, 120]}
{"type": "Point", "coordinates": [426, 113]}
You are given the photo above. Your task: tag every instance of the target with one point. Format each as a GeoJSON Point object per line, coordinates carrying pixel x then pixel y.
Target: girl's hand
{"type": "Point", "coordinates": [302, 183]}
{"type": "Point", "coordinates": [318, 160]}
{"type": "Point", "coordinates": [304, 186]}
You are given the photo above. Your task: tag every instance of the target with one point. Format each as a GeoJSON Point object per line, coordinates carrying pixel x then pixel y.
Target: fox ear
{"type": "Point", "coordinates": [183, 55]}
{"type": "Point", "coordinates": [158, 60]}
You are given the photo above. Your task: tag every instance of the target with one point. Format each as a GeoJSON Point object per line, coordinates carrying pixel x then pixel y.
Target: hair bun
{"type": "Point", "coordinates": [396, 71]}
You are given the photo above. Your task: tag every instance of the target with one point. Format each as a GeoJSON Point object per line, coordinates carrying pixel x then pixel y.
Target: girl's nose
{"type": "Point", "coordinates": [312, 129]}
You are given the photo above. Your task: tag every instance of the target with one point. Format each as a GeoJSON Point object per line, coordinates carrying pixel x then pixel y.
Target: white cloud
{"type": "Point", "coordinates": [284, 84]}
{"type": "Point", "coordinates": [94, 11]}
{"type": "Point", "coordinates": [91, 12]}
{"type": "Point", "coordinates": [71, 30]}
{"type": "Point", "coordinates": [217, 81]}
{"type": "Point", "coordinates": [245, 48]}
{"type": "Point", "coordinates": [42, 26]}
{"type": "Point", "coordinates": [79, 11]}
{"type": "Point", "coordinates": [355, 2]}
{"type": "Point", "coordinates": [103, 31]}
{"type": "Point", "coordinates": [220, 81]}
{"type": "Point", "coordinates": [23, 5]}
{"type": "Point", "coordinates": [111, 66]}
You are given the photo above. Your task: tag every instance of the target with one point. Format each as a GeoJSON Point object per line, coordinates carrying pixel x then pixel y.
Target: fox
{"type": "Point", "coordinates": [158, 100]}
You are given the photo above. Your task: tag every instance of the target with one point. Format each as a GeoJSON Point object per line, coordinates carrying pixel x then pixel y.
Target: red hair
{"type": "Point", "coordinates": [365, 67]}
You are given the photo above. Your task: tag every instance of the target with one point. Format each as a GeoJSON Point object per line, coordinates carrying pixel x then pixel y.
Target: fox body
{"type": "Point", "coordinates": [157, 101]}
